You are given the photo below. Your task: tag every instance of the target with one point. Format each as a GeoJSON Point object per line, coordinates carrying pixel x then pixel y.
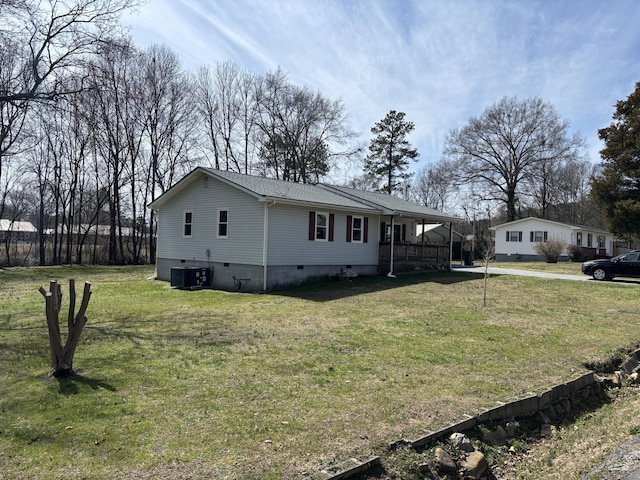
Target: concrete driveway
{"type": "Point", "coordinates": [479, 269]}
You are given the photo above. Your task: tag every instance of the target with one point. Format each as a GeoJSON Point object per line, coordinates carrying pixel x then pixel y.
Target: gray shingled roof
{"type": "Point", "coordinates": [395, 204]}
{"type": "Point", "coordinates": [289, 191]}
{"type": "Point", "coordinates": [331, 196]}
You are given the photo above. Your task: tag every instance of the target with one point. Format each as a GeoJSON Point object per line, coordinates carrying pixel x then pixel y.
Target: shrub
{"type": "Point", "coordinates": [574, 252]}
{"type": "Point", "coordinates": [550, 250]}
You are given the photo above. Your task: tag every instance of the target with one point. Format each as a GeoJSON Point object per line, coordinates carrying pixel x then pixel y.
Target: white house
{"type": "Point", "coordinates": [258, 234]}
{"type": "Point", "coordinates": [515, 241]}
{"type": "Point", "coordinates": [17, 230]}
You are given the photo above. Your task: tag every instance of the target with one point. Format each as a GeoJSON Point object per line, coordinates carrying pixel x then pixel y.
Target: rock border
{"type": "Point", "coordinates": [346, 469]}
{"type": "Point", "coordinates": [549, 403]}
{"type": "Point", "coordinates": [560, 397]}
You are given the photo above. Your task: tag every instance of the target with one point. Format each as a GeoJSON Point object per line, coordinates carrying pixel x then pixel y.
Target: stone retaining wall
{"type": "Point", "coordinates": [558, 396]}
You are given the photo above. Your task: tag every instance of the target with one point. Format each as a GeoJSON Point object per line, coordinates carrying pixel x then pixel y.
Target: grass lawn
{"type": "Point", "coordinates": [208, 384]}
{"type": "Point", "coordinates": [566, 268]}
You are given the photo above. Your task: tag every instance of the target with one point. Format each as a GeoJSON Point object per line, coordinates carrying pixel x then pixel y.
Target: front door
{"type": "Point", "coordinates": [397, 233]}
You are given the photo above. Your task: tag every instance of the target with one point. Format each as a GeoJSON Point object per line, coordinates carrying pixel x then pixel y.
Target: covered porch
{"type": "Point", "coordinates": [416, 245]}
{"type": "Point", "coordinates": [411, 257]}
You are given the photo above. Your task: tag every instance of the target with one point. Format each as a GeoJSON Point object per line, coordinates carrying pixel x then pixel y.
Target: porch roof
{"type": "Point", "coordinates": [391, 205]}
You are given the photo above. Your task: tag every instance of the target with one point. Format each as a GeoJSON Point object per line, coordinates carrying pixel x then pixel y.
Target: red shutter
{"type": "Point", "coordinates": [507, 235]}
{"type": "Point", "coordinates": [404, 232]}
{"type": "Point", "coordinates": [312, 226]}
{"type": "Point", "coordinates": [365, 234]}
{"type": "Point", "coordinates": [349, 226]}
{"type": "Point", "coordinates": [519, 236]}
{"type": "Point", "coordinates": [383, 232]}
{"type": "Point", "coordinates": [331, 220]}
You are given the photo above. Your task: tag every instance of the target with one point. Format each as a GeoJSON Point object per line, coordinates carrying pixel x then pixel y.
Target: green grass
{"type": "Point", "coordinates": [567, 268]}
{"type": "Point", "coordinates": [208, 384]}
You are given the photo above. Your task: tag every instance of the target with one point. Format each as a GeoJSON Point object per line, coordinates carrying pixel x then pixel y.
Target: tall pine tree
{"type": "Point", "coordinates": [390, 151]}
{"type": "Point", "coordinates": [617, 188]}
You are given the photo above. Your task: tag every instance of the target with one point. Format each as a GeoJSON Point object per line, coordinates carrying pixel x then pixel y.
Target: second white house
{"type": "Point", "coordinates": [516, 240]}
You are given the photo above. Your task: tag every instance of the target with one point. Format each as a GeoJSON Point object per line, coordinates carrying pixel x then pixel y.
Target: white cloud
{"type": "Point", "coordinates": [440, 62]}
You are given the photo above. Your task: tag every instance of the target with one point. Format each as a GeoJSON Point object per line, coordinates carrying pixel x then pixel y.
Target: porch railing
{"type": "Point", "coordinates": [411, 256]}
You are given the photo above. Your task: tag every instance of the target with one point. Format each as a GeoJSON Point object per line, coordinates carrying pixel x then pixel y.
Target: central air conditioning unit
{"type": "Point", "coordinates": [190, 278]}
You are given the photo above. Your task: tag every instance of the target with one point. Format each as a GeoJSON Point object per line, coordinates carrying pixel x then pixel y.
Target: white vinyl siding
{"type": "Point", "coordinates": [246, 220]}
{"type": "Point", "coordinates": [289, 242]}
{"type": "Point", "coordinates": [532, 227]}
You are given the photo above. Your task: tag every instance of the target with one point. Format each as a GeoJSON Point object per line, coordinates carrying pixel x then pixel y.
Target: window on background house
{"type": "Point", "coordinates": [538, 236]}
{"type": "Point", "coordinates": [579, 239]}
{"type": "Point", "coordinates": [514, 236]}
{"type": "Point", "coordinates": [601, 241]}
{"type": "Point", "coordinates": [589, 239]}
{"type": "Point", "coordinates": [223, 223]}
{"type": "Point", "coordinates": [188, 224]}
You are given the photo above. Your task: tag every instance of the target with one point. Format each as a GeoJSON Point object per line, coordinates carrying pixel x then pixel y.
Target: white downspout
{"type": "Point", "coordinates": [390, 274]}
{"type": "Point", "coordinates": [450, 243]}
{"type": "Point", "coordinates": [265, 245]}
{"type": "Point", "coordinates": [155, 260]}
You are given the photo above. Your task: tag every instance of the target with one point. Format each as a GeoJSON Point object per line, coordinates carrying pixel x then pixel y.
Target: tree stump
{"type": "Point", "coordinates": [62, 357]}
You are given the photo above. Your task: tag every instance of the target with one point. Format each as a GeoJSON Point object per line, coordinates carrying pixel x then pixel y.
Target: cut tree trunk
{"type": "Point", "coordinates": [62, 357]}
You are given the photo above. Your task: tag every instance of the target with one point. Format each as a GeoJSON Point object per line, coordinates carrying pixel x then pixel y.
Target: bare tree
{"type": "Point", "coordinates": [117, 126]}
{"type": "Point", "coordinates": [228, 106]}
{"type": "Point", "coordinates": [51, 41]}
{"type": "Point", "coordinates": [575, 204]}
{"type": "Point", "coordinates": [488, 253]}
{"type": "Point", "coordinates": [249, 86]}
{"type": "Point", "coordinates": [42, 45]}
{"type": "Point", "coordinates": [12, 206]}
{"type": "Point", "coordinates": [168, 125]}
{"type": "Point", "coordinates": [434, 186]}
{"type": "Point", "coordinates": [504, 148]}
{"type": "Point", "coordinates": [302, 132]}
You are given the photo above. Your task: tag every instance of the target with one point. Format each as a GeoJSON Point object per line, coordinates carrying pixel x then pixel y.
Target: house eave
{"type": "Point", "coordinates": [316, 205]}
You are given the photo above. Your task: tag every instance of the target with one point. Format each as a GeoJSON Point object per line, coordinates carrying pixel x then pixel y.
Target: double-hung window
{"type": "Point", "coordinates": [357, 229]}
{"type": "Point", "coordinates": [322, 226]}
{"type": "Point", "coordinates": [188, 224]}
{"type": "Point", "coordinates": [223, 223]}
{"type": "Point", "coordinates": [538, 236]}
{"type": "Point", "coordinates": [514, 236]}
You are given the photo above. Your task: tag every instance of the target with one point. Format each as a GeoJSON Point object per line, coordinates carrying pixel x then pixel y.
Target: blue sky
{"type": "Point", "coordinates": [439, 61]}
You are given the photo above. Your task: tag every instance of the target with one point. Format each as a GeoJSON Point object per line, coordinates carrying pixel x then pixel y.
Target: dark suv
{"type": "Point", "coordinates": [625, 265]}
